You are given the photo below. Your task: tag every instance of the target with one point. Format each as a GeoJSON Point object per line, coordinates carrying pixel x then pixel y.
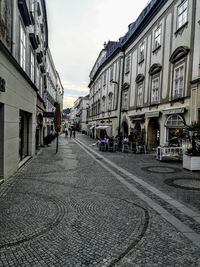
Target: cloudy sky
{"type": "Point", "coordinates": [77, 31]}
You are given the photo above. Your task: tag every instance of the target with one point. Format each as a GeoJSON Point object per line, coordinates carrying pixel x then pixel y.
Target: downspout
{"type": "Point", "coordinates": [122, 82]}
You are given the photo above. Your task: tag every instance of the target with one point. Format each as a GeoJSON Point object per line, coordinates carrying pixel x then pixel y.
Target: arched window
{"type": "Point", "coordinates": [175, 121]}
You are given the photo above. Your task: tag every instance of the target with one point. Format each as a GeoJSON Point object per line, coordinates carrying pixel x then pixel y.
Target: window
{"type": "Point", "coordinates": [157, 38]}
{"type": "Point", "coordinates": [111, 73]}
{"type": "Point", "coordinates": [139, 95]}
{"type": "Point", "coordinates": [22, 47]}
{"type": "Point", "coordinates": [104, 79]}
{"type": "Point", "coordinates": [110, 101]}
{"type": "Point", "coordinates": [182, 14]}
{"type": "Point", "coordinates": [103, 104]}
{"type": "Point", "coordinates": [128, 61]}
{"type": "Point", "coordinates": [155, 91]}
{"type": "Point", "coordinates": [32, 70]}
{"type": "Point", "coordinates": [141, 53]}
{"type": "Point", "coordinates": [125, 100]}
{"type": "Point", "coordinates": [178, 82]}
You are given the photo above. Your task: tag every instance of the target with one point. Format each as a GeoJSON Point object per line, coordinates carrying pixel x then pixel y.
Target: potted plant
{"type": "Point", "coordinates": [191, 157]}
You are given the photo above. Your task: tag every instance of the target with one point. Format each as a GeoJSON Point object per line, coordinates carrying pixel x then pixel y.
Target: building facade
{"type": "Point", "coordinates": [104, 97]}
{"type": "Point", "coordinates": [23, 49]}
{"type": "Point", "coordinates": [160, 72]}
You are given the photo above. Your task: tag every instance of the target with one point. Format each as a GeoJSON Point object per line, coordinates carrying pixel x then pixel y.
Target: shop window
{"type": "Point", "coordinates": [174, 126]}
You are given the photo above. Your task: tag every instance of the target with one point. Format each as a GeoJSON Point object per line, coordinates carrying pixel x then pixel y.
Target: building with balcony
{"type": "Point", "coordinates": [23, 49]}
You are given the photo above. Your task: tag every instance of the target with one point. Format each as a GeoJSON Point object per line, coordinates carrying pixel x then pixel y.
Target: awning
{"type": "Point", "coordinates": [103, 127]}
{"type": "Point", "coordinates": [91, 127]}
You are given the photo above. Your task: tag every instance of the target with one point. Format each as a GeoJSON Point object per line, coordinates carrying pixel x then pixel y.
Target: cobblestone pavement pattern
{"type": "Point", "coordinates": [66, 210]}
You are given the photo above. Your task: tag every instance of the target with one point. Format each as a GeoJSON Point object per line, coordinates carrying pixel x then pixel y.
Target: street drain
{"type": "Point", "coordinates": [160, 169]}
{"type": "Point", "coordinates": [184, 183]}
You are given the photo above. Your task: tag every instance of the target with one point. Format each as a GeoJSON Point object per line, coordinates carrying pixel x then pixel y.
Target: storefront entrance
{"type": "Point", "coordinates": [1, 140]}
{"type": "Point", "coordinates": [24, 119]}
{"type": "Point", "coordinates": [153, 134]}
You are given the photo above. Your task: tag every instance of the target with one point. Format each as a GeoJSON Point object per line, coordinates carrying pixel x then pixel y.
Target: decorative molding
{"type": "Point", "coordinates": [139, 78]}
{"type": "Point", "coordinates": [155, 68]}
{"type": "Point", "coordinates": [179, 53]}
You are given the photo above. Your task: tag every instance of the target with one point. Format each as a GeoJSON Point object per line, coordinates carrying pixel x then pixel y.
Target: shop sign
{"type": "Point", "coordinates": [2, 85]}
{"type": "Point", "coordinates": [152, 114]}
{"type": "Point", "coordinates": [48, 114]}
{"type": "Point", "coordinates": [174, 111]}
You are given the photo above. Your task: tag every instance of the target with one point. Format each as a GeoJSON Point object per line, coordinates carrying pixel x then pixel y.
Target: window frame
{"type": "Point", "coordinates": [155, 47]}
{"type": "Point", "coordinates": [128, 64]}
{"type": "Point", "coordinates": [141, 52]}
{"type": "Point", "coordinates": [140, 86]}
{"type": "Point", "coordinates": [155, 101]}
{"type": "Point", "coordinates": [180, 79]}
{"type": "Point", "coordinates": [22, 46]}
{"type": "Point", "coordinates": [32, 65]}
{"type": "Point", "coordinates": [181, 15]}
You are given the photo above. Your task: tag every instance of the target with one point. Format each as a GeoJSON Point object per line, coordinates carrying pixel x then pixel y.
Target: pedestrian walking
{"type": "Point", "coordinates": [70, 132]}
{"type": "Point", "coordinates": [74, 134]}
{"type": "Point", "coordinates": [66, 132]}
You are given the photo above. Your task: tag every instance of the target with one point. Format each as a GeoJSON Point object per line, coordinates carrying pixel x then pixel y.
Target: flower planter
{"type": "Point", "coordinates": [191, 163]}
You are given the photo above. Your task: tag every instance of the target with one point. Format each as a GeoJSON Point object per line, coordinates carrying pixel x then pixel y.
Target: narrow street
{"type": "Point", "coordinates": [84, 208]}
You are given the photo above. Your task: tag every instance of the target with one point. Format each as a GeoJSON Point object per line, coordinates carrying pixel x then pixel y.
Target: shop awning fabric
{"type": "Point", "coordinates": [103, 127]}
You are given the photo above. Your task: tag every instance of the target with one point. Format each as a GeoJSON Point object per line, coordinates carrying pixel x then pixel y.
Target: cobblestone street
{"type": "Point", "coordinates": [82, 207]}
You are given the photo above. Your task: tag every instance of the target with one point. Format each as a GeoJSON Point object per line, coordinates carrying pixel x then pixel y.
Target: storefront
{"type": "Point", "coordinates": [24, 130]}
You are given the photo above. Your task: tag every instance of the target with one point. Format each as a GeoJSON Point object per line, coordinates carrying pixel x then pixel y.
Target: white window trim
{"type": "Point", "coordinates": [153, 100]}
{"type": "Point", "coordinates": [22, 47]}
{"type": "Point", "coordinates": [32, 66]}
{"type": "Point", "coordinates": [178, 94]}
{"type": "Point", "coordinates": [140, 86]}
{"type": "Point", "coordinates": [181, 14]}
{"type": "Point", "coordinates": [141, 52]}
{"type": "Point", "coordinates": [155, 37]}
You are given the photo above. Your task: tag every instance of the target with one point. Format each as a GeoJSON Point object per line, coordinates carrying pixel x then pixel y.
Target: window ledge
{"type": "Point", "coordinates": [178, 99]}
{"type": "Point", "coordinates": [181, 28]}
{"type": "Point", "coordinates": [156, 49]}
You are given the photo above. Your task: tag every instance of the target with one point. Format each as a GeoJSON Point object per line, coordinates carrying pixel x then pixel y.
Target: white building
{"type": "Point", "coordinates": [159, 85]}
{"type": "Point", "coordinates": [23, 48]}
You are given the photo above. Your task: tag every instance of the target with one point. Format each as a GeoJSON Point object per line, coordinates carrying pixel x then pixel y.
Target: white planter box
{"type": "Point", "coordinates": [191, 163]}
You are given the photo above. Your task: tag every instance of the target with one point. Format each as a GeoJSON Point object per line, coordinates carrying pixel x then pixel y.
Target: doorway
{"type": "Point", "coordinates": [125, 128]}
{"type": "Point", "coordinates": [153, 134]}
{"type": "Point", "coordinates": [24, 119]}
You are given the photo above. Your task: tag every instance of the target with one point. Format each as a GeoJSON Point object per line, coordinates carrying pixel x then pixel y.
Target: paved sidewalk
{"type": "Point", "coordinates": [66, 210]}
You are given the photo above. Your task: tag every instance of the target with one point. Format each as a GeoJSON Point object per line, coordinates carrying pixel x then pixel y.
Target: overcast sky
{"type": "Point", "coordinates": [77, 31]}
